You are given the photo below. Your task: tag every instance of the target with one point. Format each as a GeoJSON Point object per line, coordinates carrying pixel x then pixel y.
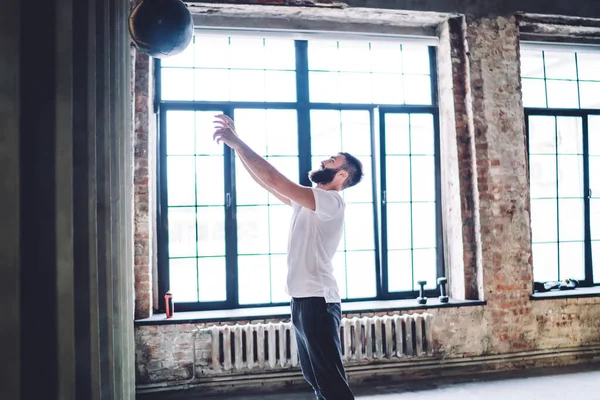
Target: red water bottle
{"type": "Point", "coordinates": [169, 304]}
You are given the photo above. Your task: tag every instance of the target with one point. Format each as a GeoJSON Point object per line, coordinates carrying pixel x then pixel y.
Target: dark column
{"type": "Point", "coordinates": [66, 200]}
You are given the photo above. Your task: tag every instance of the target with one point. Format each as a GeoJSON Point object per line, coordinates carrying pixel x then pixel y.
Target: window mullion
{"type": "Point", "coordinates": [589, 271]}
{"type": "Point", "coordinates": [303, 112]}
{"type": "Point", "coordinates": [231, 248]}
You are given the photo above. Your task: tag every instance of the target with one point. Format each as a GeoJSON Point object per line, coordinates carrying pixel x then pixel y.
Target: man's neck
{"type": "Point", "coordinates": [327, 187]}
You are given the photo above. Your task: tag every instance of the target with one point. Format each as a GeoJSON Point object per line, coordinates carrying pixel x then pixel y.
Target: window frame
{"type": "Point", "coordinates": [584, 114]}
{"type": "Point", "coordinates": [303, 107]}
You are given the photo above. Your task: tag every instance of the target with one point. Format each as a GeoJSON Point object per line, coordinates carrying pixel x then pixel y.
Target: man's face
{"type": "Point", "coordinates": [328, 171]}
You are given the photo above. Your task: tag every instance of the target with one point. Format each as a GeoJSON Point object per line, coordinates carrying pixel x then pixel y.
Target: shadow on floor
{"type": "Point", "coordinates": [488, 386]}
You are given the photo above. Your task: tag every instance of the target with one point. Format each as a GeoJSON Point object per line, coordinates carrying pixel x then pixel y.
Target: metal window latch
{"type": "Point", "coordinates": [589, 193]}
{"type": "Point", "coordinates": [228, 200]}
{"type": "Point", "coordinates": [383, 197]}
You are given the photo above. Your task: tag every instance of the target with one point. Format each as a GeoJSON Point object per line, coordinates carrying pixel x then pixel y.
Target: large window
{"type": "Point", "coordinates": [223, 239]}
{"type": "Point", "coordinates": [561, 93]}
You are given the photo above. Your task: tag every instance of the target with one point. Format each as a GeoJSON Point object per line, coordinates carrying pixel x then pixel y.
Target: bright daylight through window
{"type": "Point", "coordinates": [223, 239]}
{"type": "Point", "coordinates": [561, 94]}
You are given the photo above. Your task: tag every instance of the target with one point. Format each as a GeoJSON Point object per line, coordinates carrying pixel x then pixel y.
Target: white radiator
{"type": "Point", "coordinates": [239, 348]}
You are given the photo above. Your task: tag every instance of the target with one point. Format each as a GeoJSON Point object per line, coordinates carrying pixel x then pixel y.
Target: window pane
{"type": "Point", "coordinates": [278, 279]}
{"type": "Point", "coordinates": [247, 85]}
{"type": "Point", "coordinates": [210, 180]}
{"type": "Point", "coordinates": [211, 84]}
{"type": "Point", "coordinates": [354, 56]}
{"type": "Point", "coordinates": [595, 219]}
{"type": "Point", "coordinates": [542, 176]}
{"type": "Point", "coordinates": [279, 222]}
{"type": "Point", "coordinates": [177, 84]}
{"type": "Point", "coordinates": [542, 135]}
{"type": "Point", "coordinates": [212, 279]}
{"type": "Point", "coordinates": [253, 229]}
{"type": "Point", "coordinates": [323, 55]}
{"type": "Point", "coordinates": [532, 64]}
{"type": "Point", "coordinates": [360, 270]}
{"type": "Point", "coordinates": [399, 228]}
{"type": "Point", "coordinates": [589, 66]}
{"type": "Point", "coordinates": [397, 134]}
{"type": "Point", "coordinates": [356, 132]}
{"type": "Point", "coordinates": [280, 54]}
{"type": "Point", "coordinates": [397, 178]}
{"type": "Point", "coordinates": [211, 231]}
{"type": "Point", "coordinates": [359, 227]}
{"type": "Point", "coordinates": [254, 279]}
{"type": "Point", "coordinates": [571, 261]}
{"type": "Point", "coordinates": [387, 88]}
{"type": "Point", "coordinates": [423, 178]}
{"type": "Point", "coordinates": [182, 280]}
{"type": "Point", "coordinates": [534, 93]}
{"type": "Point", "coordinates": [594, 166]}
{"type": "Point", "coordinates": [571, 219]}
{"type": "Point", "coordinates": [425, 265]}
{"type": "Point", "coordinates": [325, 133]}
{"type": "Point", "coordinates": [180, 133]}
{"type": "Point", "coordinates": [205, 128]}
{"type": "Point", "coordinates": [560, 65]}
{"type": "Point", "coordinates": [400, 277]}
{"type": "Point", "coordinates": [594, 134]}
{"type": "Point", "coordinates": [569, 135]}
{"type": "Point", "coordinates": [248, 192]}
{"type": "Point", "coordinates": [423, 222]}
{"type": "Point", "coordinates": [545, 262]}
{"type": "Point", "coordinates": [282, 132]}
{"type": "Point", "coordinates": [355, 87]}
{"type": "Point", "coordinates": [415, 59]}
{"type": "Point", "coordinates": [182, 232]}
{"type": "Point", "coordinates": [589, 94]}
{"type": "Point", "coordinates": [562, 94]}
{"type": "Point", "coordinates": [247, 53]}
{"type": "Point", "coordinates": [386, 58]}
{"type": "Point", "coordinates": [211, 51]}
{"type": "Point", "coordinates": [324, 87]}
{"type": "Point", "coordinates": [570, 176]}
{"type": "Point", "coordinates": [417, 89]}
{"type": "Point", "coordinates": [421, 134]}
{"type": "Point", "coordinates": [544, 218]}
{"type": "Point", "coordinates": [251, 125]}
{"type": "Point", "coordinates": [280, 86]}
{"type": "Point", "coordinates": [180, 178]}
{"type": "Point", "coordinates": [596, 261]}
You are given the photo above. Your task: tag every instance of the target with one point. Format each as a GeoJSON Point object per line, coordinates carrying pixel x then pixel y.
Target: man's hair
{"type": "Point", "coordinates": [353, 166]}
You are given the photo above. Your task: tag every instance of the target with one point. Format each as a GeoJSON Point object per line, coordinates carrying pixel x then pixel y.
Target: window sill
{"type": "Point", "coordinates": [593, 291]}
{"type": "Point", "coordinates": [246, 314]}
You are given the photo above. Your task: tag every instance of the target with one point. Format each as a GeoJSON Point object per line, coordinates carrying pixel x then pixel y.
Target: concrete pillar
{"type": "Point", "coordinates": [66, 251]}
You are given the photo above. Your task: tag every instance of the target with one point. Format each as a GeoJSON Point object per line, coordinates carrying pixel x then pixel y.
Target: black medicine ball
{"type": "Point", "coordinates": [161, 28]}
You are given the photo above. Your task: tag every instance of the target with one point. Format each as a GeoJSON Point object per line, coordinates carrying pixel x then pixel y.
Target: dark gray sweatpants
{"type": "Point", "coordinates": [317, 327]}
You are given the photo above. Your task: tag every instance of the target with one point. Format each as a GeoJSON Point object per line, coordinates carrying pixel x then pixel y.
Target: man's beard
{"type": "Point", "coordinates": [323, 176]}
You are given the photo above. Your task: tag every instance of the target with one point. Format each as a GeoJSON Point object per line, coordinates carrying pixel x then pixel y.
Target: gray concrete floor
{"type": "Point", "coordinates": [572, 383]}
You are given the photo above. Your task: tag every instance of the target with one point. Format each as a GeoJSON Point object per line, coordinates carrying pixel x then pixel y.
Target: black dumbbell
{"type": "Point", "coordinates": [421, 299]}
{"type": "Point", "coordinates": [441, 283]}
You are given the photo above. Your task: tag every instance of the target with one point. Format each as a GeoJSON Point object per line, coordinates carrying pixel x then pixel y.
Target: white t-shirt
{"type": "Point", "coordinates": [314, 238]}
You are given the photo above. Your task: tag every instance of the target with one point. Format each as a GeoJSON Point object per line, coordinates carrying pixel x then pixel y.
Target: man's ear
{"type": "Point", "coordinates": [343, 173]}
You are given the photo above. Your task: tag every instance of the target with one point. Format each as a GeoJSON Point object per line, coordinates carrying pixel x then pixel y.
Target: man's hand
{"type": "Point", "coordinates": [225, 131]}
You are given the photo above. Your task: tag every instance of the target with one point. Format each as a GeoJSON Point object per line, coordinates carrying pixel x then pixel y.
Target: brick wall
{"type": "Point", "coordinates": [488, 198]}
{"type": "Point", "coordinates": [499, 133]}
{"type": "Point", "coordinates": [143, 179]}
